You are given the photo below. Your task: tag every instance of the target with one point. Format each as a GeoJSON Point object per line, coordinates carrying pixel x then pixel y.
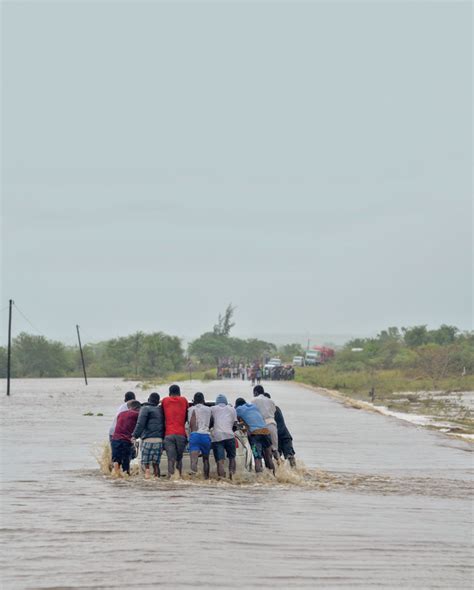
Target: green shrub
{"type": "Point", "coordinates": [209, 376]}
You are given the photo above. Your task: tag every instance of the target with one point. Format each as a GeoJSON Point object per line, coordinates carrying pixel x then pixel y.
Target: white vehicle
{"type": "Point", "coordinates": [298, 361]}
{"type": "Point", "coordinates": [312, 358]}
{"type": "Point", "coordinates": [274, 362]}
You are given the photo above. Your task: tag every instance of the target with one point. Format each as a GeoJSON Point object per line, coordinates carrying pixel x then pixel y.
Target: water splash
{"type": "Point", "coordinates": [285, 474]}
{"type": "Point", "coordinates": [296, 477]}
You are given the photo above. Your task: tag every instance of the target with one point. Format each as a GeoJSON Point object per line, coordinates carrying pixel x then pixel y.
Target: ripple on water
{"type": "Point", "coordinates": [368, 519]}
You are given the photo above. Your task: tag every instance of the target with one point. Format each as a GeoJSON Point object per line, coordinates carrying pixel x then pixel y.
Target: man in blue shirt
{"type": "Point", "coordinates": [258, 433]}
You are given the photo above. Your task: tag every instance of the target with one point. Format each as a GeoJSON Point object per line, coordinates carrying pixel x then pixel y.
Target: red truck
{"type": "Point", "coordinates": [317, 355]}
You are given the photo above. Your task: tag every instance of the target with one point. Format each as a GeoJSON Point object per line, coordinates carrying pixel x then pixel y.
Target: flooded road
{"type": "Point", "coordinates": [378, 503]}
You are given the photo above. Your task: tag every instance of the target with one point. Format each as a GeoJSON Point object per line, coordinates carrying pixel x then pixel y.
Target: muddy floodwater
{"type": "Point", "coordinates": [375, 502]}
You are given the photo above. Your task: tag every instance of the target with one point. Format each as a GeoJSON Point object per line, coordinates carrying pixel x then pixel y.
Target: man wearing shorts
{"type": "Point", "coordinates": [122, 437]}
{"type": "Point", "coordinates": [175, 409]}
{"type": "Point", "coordinates": [223, 440]}
{"type": "Point", "coordinates": [199, 419]}
{"type": "Point", "coordinates": [258, 433]}
{"type": "Point", "coordinates": [151, 429]}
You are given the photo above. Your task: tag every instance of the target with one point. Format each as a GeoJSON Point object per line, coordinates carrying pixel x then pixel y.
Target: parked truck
{"type": "Point", "coordinates": [318, 355]}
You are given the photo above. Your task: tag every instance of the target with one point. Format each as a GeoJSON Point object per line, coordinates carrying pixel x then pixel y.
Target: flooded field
{"type": "Point", "coordinates": [374, 503]}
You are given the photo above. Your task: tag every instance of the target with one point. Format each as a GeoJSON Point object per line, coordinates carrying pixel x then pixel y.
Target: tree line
{"type": "Point", "coordinates": [437, 353]}
{"type": "Point", "coordinates": [138, 355]}
{"type": "Point", "coordinates": [416, 350]}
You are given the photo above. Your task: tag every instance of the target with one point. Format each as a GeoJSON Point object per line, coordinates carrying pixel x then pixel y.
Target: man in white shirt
{"type": "Point", "coordinates": [267, 408]}
{"type": "Point", "coordinates": [199, 418]}
{"type": "Point", "coordinates": [223, 439]}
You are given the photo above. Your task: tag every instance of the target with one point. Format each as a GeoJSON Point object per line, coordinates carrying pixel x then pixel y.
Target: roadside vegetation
{"type": "Point", "coordinates": [384, 382]}
{"type": "Point", "coordinates": [413, 370]}
{"type": "Point", "coordinates": [411, 359]}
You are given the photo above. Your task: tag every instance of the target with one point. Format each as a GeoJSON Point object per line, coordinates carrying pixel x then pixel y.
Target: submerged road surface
{"type": "Point", "coordinates": [381, 503]}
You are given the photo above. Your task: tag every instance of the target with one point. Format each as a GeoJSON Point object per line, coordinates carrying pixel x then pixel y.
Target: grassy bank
{"type": "Point", "coordinates": [384, 381]}
{"type": "Point", "coordinates": [400, 391]}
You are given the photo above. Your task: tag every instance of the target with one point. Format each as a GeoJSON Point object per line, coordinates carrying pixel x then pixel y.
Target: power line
{"type": "Point", "coordinates": [69, 341]}
{"type": "Point", "coordinates": [26, 319]}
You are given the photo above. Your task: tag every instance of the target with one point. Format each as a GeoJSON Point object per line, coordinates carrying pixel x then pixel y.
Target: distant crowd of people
{"type": "Point", "coordinates": [279, 373]}
{"type": "Point", "coordinates": [239, 371]}
{"type": "Point", "coordinates": [173, 424]}
{"type": "Point", "coordinates": [255, 373]}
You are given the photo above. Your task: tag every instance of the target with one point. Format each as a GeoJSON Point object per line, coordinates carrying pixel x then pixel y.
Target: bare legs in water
{"type": "Point", "coordinates": [194, 463]}
{"type": "Point", "coordinates": [221, 468]}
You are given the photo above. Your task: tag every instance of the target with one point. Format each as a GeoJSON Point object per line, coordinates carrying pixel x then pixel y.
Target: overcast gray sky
{"type": "Point", "coordinates": [308, 162]}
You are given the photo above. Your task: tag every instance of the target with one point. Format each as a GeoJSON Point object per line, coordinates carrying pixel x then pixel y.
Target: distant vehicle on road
{"type": "Point", "coordinates": [318, 355]}
{"type": "Point", "coordinates": [298, 361]}
{"type": "Point", "coordinates": [274, 362]}
{"type": "Point", "coordinates": [273, 367]}
{"type": "Point", "coordinates": [312, 358]}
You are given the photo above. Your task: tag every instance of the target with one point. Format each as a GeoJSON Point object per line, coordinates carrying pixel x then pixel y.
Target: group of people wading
{"type": "Point", "coordinates": [165, 426]}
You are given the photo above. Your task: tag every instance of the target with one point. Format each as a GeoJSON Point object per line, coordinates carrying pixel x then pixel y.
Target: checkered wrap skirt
{"type": "Point", "coordinates": [151, 452]}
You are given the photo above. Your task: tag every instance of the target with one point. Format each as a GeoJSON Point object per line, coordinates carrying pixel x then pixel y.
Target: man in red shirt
{"type": "Point", "coordinates": [122, 437]}
{"type": "Point", "coordinates": [175, 409]}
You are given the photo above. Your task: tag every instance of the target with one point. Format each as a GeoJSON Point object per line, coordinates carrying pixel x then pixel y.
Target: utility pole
{"type": "Point", "coordinates": [9, 361]}
{"type": "Point", "coordinates": [82, 354]}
